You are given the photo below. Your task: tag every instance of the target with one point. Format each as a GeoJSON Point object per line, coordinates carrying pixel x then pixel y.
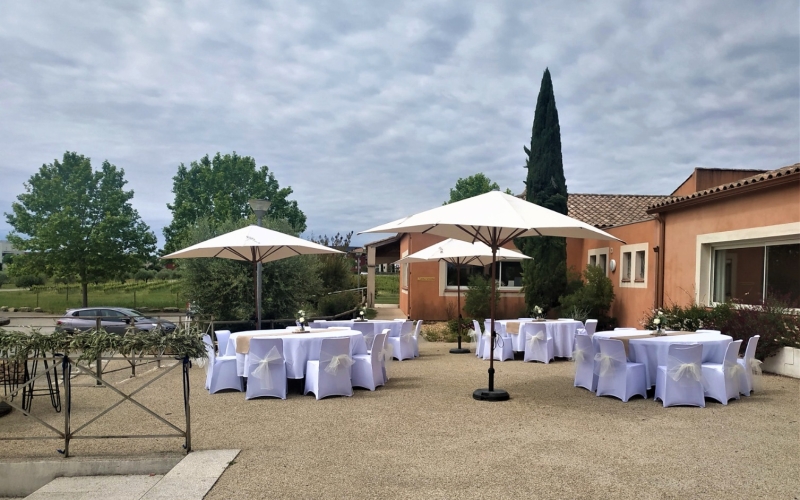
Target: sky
{"type": "Point", "coordinates": [371, 111]}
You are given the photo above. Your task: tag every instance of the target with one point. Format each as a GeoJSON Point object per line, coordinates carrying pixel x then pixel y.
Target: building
{"type": "Point", "coordinates": [6, 249]}
{"type": "Point", "coordinates": [722, 234]}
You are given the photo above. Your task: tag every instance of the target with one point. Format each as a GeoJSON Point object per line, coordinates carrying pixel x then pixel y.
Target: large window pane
{"type": "Point", "coordinates": [466, 272]}
{"type": "Point", "coordinates": [739, 275]}
{"type": "Point", "coordinates": [783, 273]}
{"type": "Point", "coordinates": [509, 273]}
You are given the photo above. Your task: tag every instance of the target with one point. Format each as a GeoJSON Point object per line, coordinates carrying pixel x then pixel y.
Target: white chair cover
{"type": "Point", "coordinates": [680, 381]}
{"type": "Point", "coordinates": [266, 370]}
{"type": "Point", "coordinates": [503, 347]}
{"type": "Point", "coordinates": [403, 346]}
{"type": "Point", "coordinates": [417, 329]}
{"type": "Point", "coordinates": [368, 368]}
{"type": "Point", "coordinates": [590, 326]}
{"type": "Point", "coordinates": [478, 339]}
{"type": "Point", "coordinates": [368, 329]}
{"type": "Point", "coordinates": [583, 355]}
{"type": "Point", "coordinates": [209, 344]}
{"type": "Point", "coordinates": [539, 346]}
{"type": "Point", "coordinates": [723, 378]}
{"type": "Point", "coordinates": [616, 376]}
{"type": "Point", "coordinates": [330, 374]}
{"type": "Point", "coordinates": [221, 372]}
{"type": "Point", "coordinates": [750, 378]}
{"type": "Point", "coordinates": [387, 354]}
{"type": "Point", "coordinates": [222, 342]}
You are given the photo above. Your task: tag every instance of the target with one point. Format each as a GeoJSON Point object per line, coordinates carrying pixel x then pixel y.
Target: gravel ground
{"type": "Point", "coordinates": [423, 436]}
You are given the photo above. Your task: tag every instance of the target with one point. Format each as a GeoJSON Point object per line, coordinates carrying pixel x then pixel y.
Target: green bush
{"type": "Point", "coordinates": [164, 274]}
{"type": "Point", "coordinates": [337, 303]}
{"type": "Point", "coordinates": [592, 298]}
{"type": "Point", "coordinates": [27, 281]}
{"type": "Point", "coordinates": [478, 297]}
{"type": "Point", "coordinates": [3, 279]}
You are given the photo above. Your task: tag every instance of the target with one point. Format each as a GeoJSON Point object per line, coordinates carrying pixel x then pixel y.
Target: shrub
{"type": "Point", "coordinates": [164, 274]}
{"type": "Point", "coordinates": [3, 279]}
{"type": "Point", "coordinates": [477, 298]}
{"type": "Point", "coordinates": [27, 281]}
{"type": "Point", "coordinates": [592, 297]}
{"type": "Point", "coordinates": [337, 303]}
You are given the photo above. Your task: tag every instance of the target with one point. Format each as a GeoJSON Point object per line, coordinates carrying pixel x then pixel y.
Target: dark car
{"type": "Point", "coordinates": [113, 319]}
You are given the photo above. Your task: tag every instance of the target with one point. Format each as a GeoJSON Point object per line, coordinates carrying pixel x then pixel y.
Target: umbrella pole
{"type": "Point", "coordinates": [459, 350]}
{"type": "Point", "coordinates": [258, 299]}
{"type": "Point", "coordinates": [492, 394]}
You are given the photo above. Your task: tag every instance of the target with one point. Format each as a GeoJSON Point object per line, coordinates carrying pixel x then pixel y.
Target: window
{"type": "Point", "coordinates": [466, 272]}
{"type": "Point", "coordinates": [405, 276]}
{"type": "Point", "coordinates": [750, 274]}
{"type": "Point", "coordinates": [507, 273]}
{"type": "Point", "coordinates": [599, 257]}
{"type": "Point", "coordinates": [634, 265]}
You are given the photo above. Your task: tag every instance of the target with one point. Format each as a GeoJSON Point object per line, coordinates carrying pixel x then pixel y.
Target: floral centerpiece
{"type": "Point", "coordinates": [658, 323]}
{"type": "Point", "coordinates": [361, 313]}
{"type": "Point", "coordinates": [537, 312]}
{"type": "Point", "coordinates": [301, 319]}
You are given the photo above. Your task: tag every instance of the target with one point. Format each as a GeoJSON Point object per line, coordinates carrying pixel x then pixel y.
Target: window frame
{"type": "Point", "coordinates": [597, 253]}
{"type": "Point", "coordinates": [632, 251]}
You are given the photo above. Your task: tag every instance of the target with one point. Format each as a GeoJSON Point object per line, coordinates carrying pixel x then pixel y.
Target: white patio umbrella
{"type": "Point", "coordinates": [252, 244]}
{"type": "Point", "coordinates": [495, 219]}
{"type": "Point", "coordinates": [461, 253]}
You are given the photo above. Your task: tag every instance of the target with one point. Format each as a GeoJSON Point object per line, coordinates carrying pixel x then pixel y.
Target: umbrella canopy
{"type": "Point", "coordinates": [493, 218]}
{"type": "Point", "coordinates": [460, 253]}
{"type": "Point", "coordinates": [254, 244]}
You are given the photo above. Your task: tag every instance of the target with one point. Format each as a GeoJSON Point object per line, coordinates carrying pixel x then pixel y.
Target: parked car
{"type": "Point", "coordinates": [113, 319]}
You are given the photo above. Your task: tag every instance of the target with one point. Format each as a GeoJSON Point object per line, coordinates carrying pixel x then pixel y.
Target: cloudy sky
{"type": "Point", "coordinates": [372, 110]}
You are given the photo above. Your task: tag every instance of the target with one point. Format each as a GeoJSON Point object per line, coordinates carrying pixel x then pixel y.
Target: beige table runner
{"type": "Point", "coordinates": [625, 339]}
{"type": "Point", "coordinates": [512, 327]}
{"type": "Point", "coordinates": [243, 341]}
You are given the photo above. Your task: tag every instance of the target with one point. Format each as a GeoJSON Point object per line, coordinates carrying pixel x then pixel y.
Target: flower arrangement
{"type": "Point", "coordinates": [361, 313]}
{"type": "Point", "coordinates": [658, 323]}
{"type": "Point", "coordinates": [536, 312]}
{"type": "Point", "coordinates": [300, 316]}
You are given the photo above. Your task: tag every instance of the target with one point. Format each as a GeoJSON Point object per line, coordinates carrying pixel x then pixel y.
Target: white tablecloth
{"type": "Point", "coordinates": [395, 326]}
{"type": "Point", "coordinates": [653, 351]}
{"type": "Point", "coordinates": [299, 348]}
{"type": "Point", "coordinates": [562, 332]}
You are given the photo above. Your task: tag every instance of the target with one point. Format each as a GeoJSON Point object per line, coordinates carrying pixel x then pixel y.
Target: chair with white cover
{"type": "Point", "coordinates": [539, 346]}
{"type": "Point", "coordinates": [208, 343]}
{"type": "Point", "coordinates": [367, 371]}
{"type": "Point", "coordinates": [680, 381]}
{"type": "Point", "coordinates": [402, 347]}
{"type": "Point", "coordinates": [330, 374]}
{"type": "Point", "coordinates": [366, 329]}
{"type": "Point", "coordinates": [722, 379]}
{"type": "Point", "coordinates": [266, 369]}
{"type": "Point", "coordinates": [477, 338]}
{"type": "Point", "coordinates": [503, 346]}
{"type": "Point", "coordinates": [222, 342]}
{"type": "Point", "coordinates": [583, 355]}
{"type": "Point", "coordinates": [751, 367]}
{"type": "Point", "coordinates": [590, 326]}
{"type": "Point", "coordinates": [221, 371]}
{"type": "Point", "coordinates": [616, 375]}
{"type": "Point", "coordinates": [416, 338]}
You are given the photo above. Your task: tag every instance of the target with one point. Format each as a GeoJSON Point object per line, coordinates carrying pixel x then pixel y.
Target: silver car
{"type": "Point", "coordinates": [112, 319]}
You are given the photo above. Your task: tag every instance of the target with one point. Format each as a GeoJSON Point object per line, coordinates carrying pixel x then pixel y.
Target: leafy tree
{"type": "Point", "coordinates": [593, 296]}
{"type": "Point", "coordinates": [545, 275]}
{"type": "Point", "coordinates": [472, 186]}
{"type": "Point", "coordinates": [78, 222]}
{"type": "Point", "coordinates": [477, 298]}
{"type": "Point", "coordinates": [224, 288]}
{"type": "Point", "coordinates": [218, 190]}
{"type": "Point", "coordinates": [3, 279]}
{"type": "Point", "coordinates": [336, 270]}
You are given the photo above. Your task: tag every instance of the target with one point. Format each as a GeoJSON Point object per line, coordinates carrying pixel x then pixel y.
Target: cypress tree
{"type": "Point", "coordinates": [545, 276]}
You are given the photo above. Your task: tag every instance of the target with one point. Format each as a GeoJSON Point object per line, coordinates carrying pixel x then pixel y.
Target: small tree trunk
{"type": "Point", "coordinates": [85, 294]}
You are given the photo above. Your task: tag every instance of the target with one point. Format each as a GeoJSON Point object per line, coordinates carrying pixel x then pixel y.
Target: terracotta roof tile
{"type": "Point", "coordinates": [609, 210]}
{"type": "Point", "coordinates": [748, 181]}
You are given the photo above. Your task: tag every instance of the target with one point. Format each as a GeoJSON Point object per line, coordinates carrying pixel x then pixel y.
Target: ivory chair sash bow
{"type": "Point", "coordinates": [266, 371]}
{"type": "Point", "coordinates": [539, 346]}
{"type": "Point", "coordinates": [334, 377]}
{"type": "Point", "coordinates": [680, 381]}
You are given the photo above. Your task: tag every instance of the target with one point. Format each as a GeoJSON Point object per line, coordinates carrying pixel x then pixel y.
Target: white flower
{"type": "Point", "coordinates": [656, 321]}
{"type": "Point", "coordinates": [301, 319]}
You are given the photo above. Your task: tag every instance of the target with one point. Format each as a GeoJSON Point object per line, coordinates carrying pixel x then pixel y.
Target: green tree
{"type": "Point", "coordinates": [336, 270]}
{"type": "Point", "coordinates": [592, 296]}
{"type": "Point", "coordinates": [472, 186]}
{"type": "Point", "coordinates": [78, 222]}
{"type": "Point", "coordinates": [545, 275]}
{"type": "Point", "coordinates": [224, 289]}
{"type": "Point", "coordinates": [477, 298]}
{"type": "Point", "coordinates": [218, 190]}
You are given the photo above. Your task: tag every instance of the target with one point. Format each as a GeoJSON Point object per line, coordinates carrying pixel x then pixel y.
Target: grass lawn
{"type": "Point", "coordinates": [56, 302]}
{"type": "Point", "coordinates": [387, 288]}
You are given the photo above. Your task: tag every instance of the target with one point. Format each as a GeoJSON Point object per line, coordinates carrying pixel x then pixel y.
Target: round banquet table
{"type": "Point", "coordinates": [396, 327]}
{"type": "Point", "coordinates": [653, 351]}
{"type": "Point", "coordinates": [562, 331]}
{"type": "Point", "coordinates": [298, 348]}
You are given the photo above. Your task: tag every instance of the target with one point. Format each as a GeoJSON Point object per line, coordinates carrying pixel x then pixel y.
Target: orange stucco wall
{"type": "Point", "coordinates": [423, 299]}
{"type": "Point", "coordinates": [630, 304]}
{"type": "Point", "coordinates": [764, 207]}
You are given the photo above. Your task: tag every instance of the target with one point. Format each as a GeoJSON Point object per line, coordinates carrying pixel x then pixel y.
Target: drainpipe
{"type": "Point", "coordinates": [660, 254]}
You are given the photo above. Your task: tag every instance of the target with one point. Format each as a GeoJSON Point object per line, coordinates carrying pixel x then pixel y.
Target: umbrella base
{"type": "Point", "coordinates": [5, 409]}
{"type": "Point", "coordinates": [487, 395]}
{"type": "Point", "coordinates": [462, 350]}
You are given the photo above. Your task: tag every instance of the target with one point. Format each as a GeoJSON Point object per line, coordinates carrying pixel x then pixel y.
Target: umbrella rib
{"type": "Point", "coordinates": [514, 235]}
{"type": "Point", "coordinates": [234, 252]}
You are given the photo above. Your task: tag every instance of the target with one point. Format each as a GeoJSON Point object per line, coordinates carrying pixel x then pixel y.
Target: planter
{"type": "Point", "coordinates": [786, 362]}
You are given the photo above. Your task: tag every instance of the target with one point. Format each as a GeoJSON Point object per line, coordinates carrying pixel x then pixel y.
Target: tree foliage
{"type": "Point", "coordinates": [594, 296]}
{"type": "Point", "coordinates": [473, 185]}
{"type": "Point", "coordinates": [478, 297]}
{"type": "Point", "coordinates": [218, 189]}
{"type": "Point", "coordinates": [78, 222]}
{"type": "Point", "coordinates": [224, 288]}
{"type": "Point", "coordinates": [545, 275]}
{"type": "Point", "coordinates": [336, 270]}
